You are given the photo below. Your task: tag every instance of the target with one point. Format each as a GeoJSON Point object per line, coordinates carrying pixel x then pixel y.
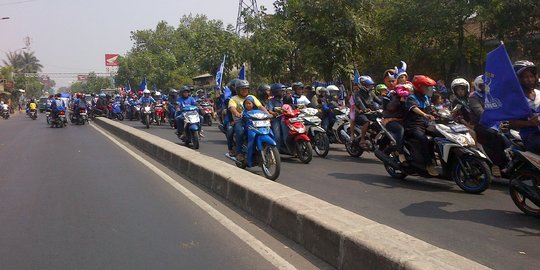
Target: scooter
{"type": "Point", "coordinates": [353, 147]}
{"type": "Point", "coordinates": [335, 135]}
{"type": "Point", "coordinates": [260, 145]}
{"type": "Point", "coordinates": [5, 114]}
{"type": "Point", "coordinates": [191, 126]}
{"type": "Point", "coordinates": [60, 120]}
{"type": "Point", "coordinates": [33, 114]}
{"type": "Point", "coordinates": [455, 153]}
{"type": "Point", "coordinates": [81, 117]}
{"type": "Point", "coordinates": [159, 114]}
{"type": "Point", "coordinates": [117, 111]}
{"type": "Point", "coordinates": [146, 114]}
{"type": "Point", "coordinates": [207, 113]}
{"type": "Point", "coordinates": [319, 140]}
{"type": "Point", "coordinates": [297, 143]}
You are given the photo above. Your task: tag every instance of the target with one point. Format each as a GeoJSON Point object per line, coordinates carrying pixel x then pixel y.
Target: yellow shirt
{"type": "Point", "coordinates": [238, 102]}
{"type": "Point", "coordinates": [33, 106]}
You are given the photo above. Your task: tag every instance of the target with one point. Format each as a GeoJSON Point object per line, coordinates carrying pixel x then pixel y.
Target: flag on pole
{"type": "Point", "coordinates": [356, 77]}
{"type": "Point", "coordinates": [504, 98]}
{"type": "Point", "coordinates": [242, 74]}
{"type": "Point", "coordinates": [143, 84]}
{"type": "Point", "coordinates": [219, 74]}
{"type": "Point", "coordinates": [128, 87]}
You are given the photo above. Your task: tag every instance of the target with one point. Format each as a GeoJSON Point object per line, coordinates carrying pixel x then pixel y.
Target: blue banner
{"type": "Point", "coordinates": [128, 87]}
{"type": "Point", "coordinates": [143, 84]}
{"type": "Point", "coordinates": [356, 77]}
{"type": "Point", "coordinates": [219, 74]}
{"type": "Point", "coordinates": [242, 74]}
{"type": "Point", "coordinates": [504, 98]}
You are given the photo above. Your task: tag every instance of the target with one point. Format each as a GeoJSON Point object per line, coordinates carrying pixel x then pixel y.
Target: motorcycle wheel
{"type": "Point", "coordinates": [34, 117]}
{"type": "Point", "coordinates": [147, 121]}
{"type": "Point", "coordinates": [81, 121]}
{"type": "Point", "coordinates": [195, 139]}
{"type": "Point", "coordinates": [321, 144]}
{"type": "Point", "coordinates": [48, 120]}
{"type": "Point", "coordinates": [353, 149]}
{"type": "Point", "coordinates": [389, 169]}
{"type": "Point", "coordinates": [209, 121]}
{"type": "Point", "coordinates": [478, 170]}
{"type": "Point", "coordinates": [530, 181]}
{"type": "Point", "coordinates": [271, 162]}
{"type": "Point", "coordinates": [120, 116]}
{"type": "Point", "coordinates": [304, 151]}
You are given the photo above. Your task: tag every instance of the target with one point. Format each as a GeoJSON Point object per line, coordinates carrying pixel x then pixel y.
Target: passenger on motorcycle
{"type": "Point", "coordinates": [57, 106]}
{"type": "Point", "coordinates": [417, 108]}
{"type": "Point", "coordinates": [528, 128]}
{"type": "Point", "coordinates": [298, 96]}
{"type": "Point", "coordinates": [389, 79]}
{"type": "Point", "coordinates": [393, 114]}
{"type": "Point", "coordinates": [102, 104]}
{"type": "Point", "coordinates": [185, 99]}
{"type": "Point", "coordinates": [172, 103]}
{"type": "Point", "coordinates": [363, 100]}
{"type": "Point", "coordinates": [264, 93]}
{"type": "Point", "coordinates": [275, 102]}
{"type": "Point", "coordinates": [328, 104]}
{"type": "Point", "coordinates": [79, 103]}
{"type": "Point", "coordinates": [493, 142]}
{"type": "Point", "coordinates": [236, 107]}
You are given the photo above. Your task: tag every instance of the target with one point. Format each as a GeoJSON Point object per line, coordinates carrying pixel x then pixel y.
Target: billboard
{"type": "Point", "coordinates": [111, 60]}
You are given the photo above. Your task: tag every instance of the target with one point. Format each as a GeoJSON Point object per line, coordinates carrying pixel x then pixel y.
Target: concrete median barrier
{"type": "Point", "coordinates": [340, 237]}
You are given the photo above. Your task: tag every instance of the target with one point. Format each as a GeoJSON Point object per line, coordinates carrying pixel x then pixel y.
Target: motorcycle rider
{"type": "Point", "coordinates": [146, 99]}
{"type": "Point", "coordinates": [185, 99]}
{"type": "Point", "coordinates": [393, 114]}
{"type": "Point", "coordinates": [460, 105]}
{"type": "Point", "coordinates": [363, 100]}
{"type": "Point", "coordinates": [275, 102]}
{"type": "Point", "coordinates": [264, 93]}
{"type": "Point", "coordinates": [57, 106]}
{"type": "Point", "coordinates": [488, 135]}
{"type": "Point", "coordinates": [32, 105]}
{"type": "Point", "coordinates": [172, 103]}
{"type": "Point", "coordinates": [159, 103]}
{"type": "Point", "coordinates": [101, 104]}
{"type": "Point", "coordinates": [298, 96]}
{"type": "Point", "coordinates": [236, 108]}
{"type": "Point", "coordinates": [528, 128]}
{"type": "Point", "coordinates": [417, 108]}
{"type": "Point", "coordinates": [78, 104]}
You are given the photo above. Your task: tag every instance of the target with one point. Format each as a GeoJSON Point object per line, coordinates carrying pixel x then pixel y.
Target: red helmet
{"type": "Point", "coordinates": [140, 93]}
{"type": "Point", "coordinates": [79, 95]}
{"type": "Point", "coordinates": [420, 80]}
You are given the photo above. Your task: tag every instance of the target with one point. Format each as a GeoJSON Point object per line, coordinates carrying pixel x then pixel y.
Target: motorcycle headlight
{"type": "Point", "coordinates": [301, 130]}
{"type": "Point", "coordinates": [463, 139]}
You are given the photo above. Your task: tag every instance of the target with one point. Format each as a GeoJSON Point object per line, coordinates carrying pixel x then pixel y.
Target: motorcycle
{"type": "Point", "coordinates": [33, 114]}
{"type": "Point", "coordinates": [159, 114]}
{"type": "Point", "coordinates": [297, 143]}
{"type": "Point", "coordinates": [191, 126]}
{"type": "Point", "coordinates": [117, 111]}
{"type": "Point", "coordinates": [524, 184]}
{"type": "Point", "coordinates": [146, 114]}
{"type": "Point", "coordinates": [5, 114]}
{"type": "Point", "coordinates": [80, 118]}
{"type": "Point", "coordinates": [372, 135]}
{"type": "Point", "coordinates": [455, 153]}
{"type": "Point", "coordinates": [260, 145]}
{"type": "Point", "coordinates": [207, 113]}
{"type": "Point", "coordinates": [48, 115]}
{"type": "Point", "coordinates": [335, 135]}
{"type": "Point", "coordinates": [319, 140]}
{"type": "Point", "coordinates": [59, 121]}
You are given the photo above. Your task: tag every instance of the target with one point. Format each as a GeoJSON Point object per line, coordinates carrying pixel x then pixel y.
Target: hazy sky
{"type": "Point", "coordinates": [74, 35]}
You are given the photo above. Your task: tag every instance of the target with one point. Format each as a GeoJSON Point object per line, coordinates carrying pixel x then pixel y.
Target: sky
{"type": "Point", "coordinates": [74, 35]}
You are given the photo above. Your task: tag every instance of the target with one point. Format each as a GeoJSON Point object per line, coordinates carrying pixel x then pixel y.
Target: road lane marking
{"type": "Point", "coordinates": [246, 237]}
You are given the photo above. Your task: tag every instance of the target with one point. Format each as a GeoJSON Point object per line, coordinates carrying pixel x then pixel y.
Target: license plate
{"type": "Point", "coordinates": [261, 123]}
{"type": "Point", "coordinates": [459, 128]}
{"type": "Point", "coordinates": [83, 113]}
{"type": "Point", "coordinates": [295, 120]}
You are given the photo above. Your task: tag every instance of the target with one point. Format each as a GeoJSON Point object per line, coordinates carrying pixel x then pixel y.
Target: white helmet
{"type": "Point", "coordinates": [318, 90]}
{"type": "Point", "coordinates": [332, 88]}
{"type": "Point", "coordinates": [157, 93]}
{"type": "Point", "coordinates": [460, 82]}
{"type": "Point", "coordinates": [146, 91]}
{"type": "Point", "coordinates": [478, 82]}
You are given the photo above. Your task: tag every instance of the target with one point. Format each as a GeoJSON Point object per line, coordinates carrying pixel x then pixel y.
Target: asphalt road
{"type": "Point", "coordinates": [72, 199]}
{"type": "Point", "coordinates": [487, 228]}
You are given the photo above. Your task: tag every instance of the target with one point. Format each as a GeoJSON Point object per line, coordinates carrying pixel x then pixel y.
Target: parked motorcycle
{"type": "Point", "coordinates": [455, 153]}
{"type": "Point", "coordinates": [319, 140]}
{"type": "Point", "coordinates": [191, 126]}
{"type": "Point", "coordinates": [260, 145]}
{"type": "Point", "coordinates": [297, 143]}
{"type": "Point", "coordinates": [146, 114]}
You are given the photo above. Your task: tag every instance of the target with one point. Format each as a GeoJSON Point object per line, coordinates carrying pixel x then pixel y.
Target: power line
{"type": "Point", "coordinates": [16, 3]}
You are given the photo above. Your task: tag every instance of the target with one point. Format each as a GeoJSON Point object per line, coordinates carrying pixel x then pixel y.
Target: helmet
{"type": "Point", "coordinates": [366, 80]}
{"type": "Point", "coordinates": [157, 93]}
{"type": "Point", "coordinates": [319, 89]}
{"type": "Point", "coordinates": [261, 90]}
{"type": "Point", "coordinates": [173, 92]}
{"type": "Point", "coordinates": [78, 95]}
{"type": "Point", "coordinates": [478, 83]}
{"type": "Point", "coordinates": [297, 85]}
{"type": "Point", "coordinates": [332, 88]}
{"type": "Point", "coordinates": [102, 95]}
{"type": "Point", "coordinates": [232, 84]}
{"type": "Point", "coordinates": [146, 91]}
{"type": "Point", "coordinates": [460, 82]}
{"type": "Point", "coordinates": [277, 88]}
{"type": "Point", "coordinates": [380, 88]}
{"type": "Point", "coordinates": [140, 93]}
{"type": "Point", "coordinates": [185, 89]}
{"type": "Point", "coordinates": [241, 84]}
{"type": "Point", "coordinates": [520, 66]}
{"type": "Point", "coordinates": [200, 91]}
{"type": "Point", "coordinates": [421, 80]}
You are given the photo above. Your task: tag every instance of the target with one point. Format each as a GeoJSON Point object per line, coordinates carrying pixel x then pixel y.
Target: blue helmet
{"type": "Point", "coordinates": [366, 80]}
{"type": "Point", "coordinates": [276, 88]}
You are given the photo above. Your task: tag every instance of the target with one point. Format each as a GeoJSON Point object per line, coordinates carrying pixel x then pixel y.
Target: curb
{"type": "Point", "coordinates": [340, 237]}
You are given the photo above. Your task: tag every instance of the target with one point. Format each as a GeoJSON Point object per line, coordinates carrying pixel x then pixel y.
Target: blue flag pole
{"type": "Point", "coordinates": [143, 84]}
{"type": "Point", "coordinates": [219, 73]}
{"type": "Point", "coordinates": [356, 77]}
{"type": "Point", "coordinates": [504, 98]}
{"type": "Point", "coordinates": [242, 74]}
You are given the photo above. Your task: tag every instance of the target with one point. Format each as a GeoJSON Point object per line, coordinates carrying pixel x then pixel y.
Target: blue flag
{"type": "Point", "coordinates": [143, 84]}
{"type": "Point", "coordinates": [356, 77]}
{"type": "Point", "coordinates": [504, 98]}
{"type": "Point", "coordinates": [242, 74]}
{"type": "Point", "coordinates": [128, 87]}
{"type": "Point", "coordinates": [219, 74]}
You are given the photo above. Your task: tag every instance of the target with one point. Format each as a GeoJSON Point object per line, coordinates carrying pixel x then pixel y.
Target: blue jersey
{"type": "Point", "coordinates": [186, 101]}
{"type": "Point", "coordinates": [144, 100]}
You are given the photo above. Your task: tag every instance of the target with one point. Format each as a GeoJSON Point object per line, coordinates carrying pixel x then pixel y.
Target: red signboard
{"type": "Point", "coordinates": [111, 60]}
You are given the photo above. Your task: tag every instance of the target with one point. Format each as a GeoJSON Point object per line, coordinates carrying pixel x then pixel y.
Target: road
{"type": "Point", "coordinates": [487, 228]}
{"type": "Point", "coordinates": [73, 199]}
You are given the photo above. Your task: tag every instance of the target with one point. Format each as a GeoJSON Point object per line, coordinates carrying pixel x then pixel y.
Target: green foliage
{"type": "Point", "coordinates": [92, 85]}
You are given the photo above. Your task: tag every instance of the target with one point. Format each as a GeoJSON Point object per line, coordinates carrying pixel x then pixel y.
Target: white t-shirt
{"type": "Point", "coordinates": [302, 100]}
{"type": "Point", "coordinates": [534, 104]}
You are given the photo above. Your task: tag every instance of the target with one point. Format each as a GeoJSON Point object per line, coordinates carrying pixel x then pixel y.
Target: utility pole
{"type": "Point", "coordinates": [246, 8]}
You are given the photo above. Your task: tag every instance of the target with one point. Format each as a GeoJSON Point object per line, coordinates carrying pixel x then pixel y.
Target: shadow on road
{"type": "Point", "coordinates": [514, 221]}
